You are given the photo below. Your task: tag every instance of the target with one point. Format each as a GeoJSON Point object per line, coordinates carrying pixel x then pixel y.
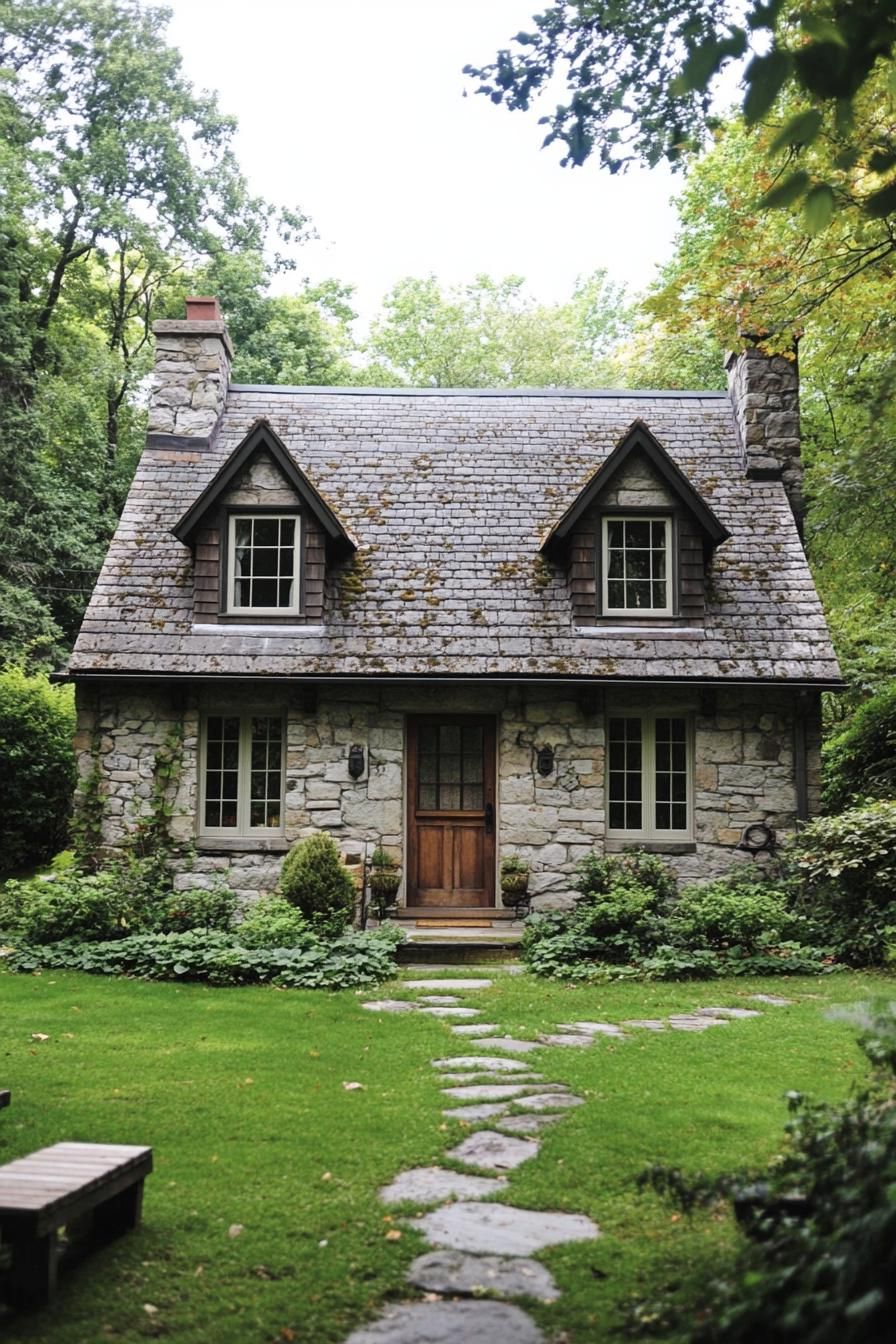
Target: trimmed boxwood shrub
{"type": "Point", "coordinates": [37, 767]}
{"type": "Point", "coordinates": [315, 880]}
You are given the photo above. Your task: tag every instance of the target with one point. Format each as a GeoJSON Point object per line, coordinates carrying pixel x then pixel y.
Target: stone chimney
{"type": "Point", "coordinates": [765, 395]}
{"type": "Point", "coordinates": [192, 372]}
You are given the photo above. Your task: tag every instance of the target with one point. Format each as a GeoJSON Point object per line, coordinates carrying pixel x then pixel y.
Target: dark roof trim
{"type": "Point", "coordinates": [492, 678]}
{"type": "Point", "coordinates": [638, 438]}
{"type": "Point", "coordinates": [543, 393]}
{"type": "Point", "coordinates": [262, 436]}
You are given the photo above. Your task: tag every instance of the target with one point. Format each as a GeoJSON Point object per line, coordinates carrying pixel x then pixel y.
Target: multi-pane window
{"type": "Point", "coordinates": [264, 563]}
{"type": "Point", "coordinates": [637, 566]}
{"type": "Point", "coordinates": [449, 767]}
{"type": "Point", "coordinates": [648, 776]}
{"type": "Point", "coordinates": [242, 776]}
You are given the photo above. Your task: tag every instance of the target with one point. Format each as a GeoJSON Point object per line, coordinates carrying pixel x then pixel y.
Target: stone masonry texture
{"type": "Point", "coordinates": [743, 771]}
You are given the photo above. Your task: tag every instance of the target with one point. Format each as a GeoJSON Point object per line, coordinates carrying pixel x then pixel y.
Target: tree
{"type": "Point", "coordinates": [117, 181]}
{"type": "Point", "coordinates": [641, 75]}
{"type": "Point", "coordinates": [490, 333]}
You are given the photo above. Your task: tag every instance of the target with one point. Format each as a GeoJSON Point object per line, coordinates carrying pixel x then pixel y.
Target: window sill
{"type": "Point", "coordinates": [618, 845]}
{"type": "Point", "coordinates": [603, 629]}
{"type": "Point", "coordinates": [242, 844]}
{"type": "Point", "coordinates": [234, 627]}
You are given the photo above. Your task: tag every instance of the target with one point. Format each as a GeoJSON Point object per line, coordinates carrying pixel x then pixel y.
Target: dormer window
{"type": "Point", "coordinates": [637, 569]}
{"type": "Point", "coordinates": [264, 564]}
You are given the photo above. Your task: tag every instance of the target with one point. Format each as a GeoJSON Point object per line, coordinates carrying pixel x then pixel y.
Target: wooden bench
{"type": "Point", "coordinates": [95, 1184]}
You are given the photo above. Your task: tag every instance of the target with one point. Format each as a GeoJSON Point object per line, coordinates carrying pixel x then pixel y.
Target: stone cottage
{"type": "Point", "coordinates": [460, 624]}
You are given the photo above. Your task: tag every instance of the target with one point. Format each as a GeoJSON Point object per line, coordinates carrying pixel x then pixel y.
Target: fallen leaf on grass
{"type": "Point", "coordinates": [327, 1176]}
{"type": "Point", "coordinates": [39, 1036]}
{"type": "Point", "coordinates": [235, 1229]}
{"type": "Point", "coordinates": [287, 1334]}
{"type": "Point", "coordinates": [393, 1234]}
{"type": "Point", "coordinates": [150, 1309]}
{"type": "Point", "coordinates": [198, 1271]}
{"type": "Point", "coordinates": [353, 1087]}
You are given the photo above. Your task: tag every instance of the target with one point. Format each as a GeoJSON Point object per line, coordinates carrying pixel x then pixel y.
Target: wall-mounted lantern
{"type": "Point", "coordinates": [544, 761]}
{"type": "Point", "coordinates": [356, 760]}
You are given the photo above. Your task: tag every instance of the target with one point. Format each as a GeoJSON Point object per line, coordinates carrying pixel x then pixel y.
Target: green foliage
{"type": "Point", "coordinates": [37, 767]}
{"type": "Point", "coordinates": [199, 908]}
{"type": "Point", "coordinates": [223, 959]}
{"type": "Point", "coordinates": [860, 760]}
{"type": "Point", "coordinates": [314, 879]}
{"type": "Point", "coordinates": [641, 79]}
{"type": "Point", "coordinates": [628, 925]}
{"type": "Point", "coordinates": [381, 858]}
{"type": "Point", "coordinates": [70, 905]}
{"type": "Point", "coordinates": [491, 333]}
{"type": "Point", "coordinates": [740, 911]}
{"type": "Point", "coordinates": [272, 922]}
{"type": "Point", "coordinates": [847, 869]}
{"type": "Point", "coordinates": [821, 1264]}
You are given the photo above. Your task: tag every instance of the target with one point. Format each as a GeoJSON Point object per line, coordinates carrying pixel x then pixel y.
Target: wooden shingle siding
{"type": "Point", "coordinates": [584, 569]}
{"type": "Point", "coordinates": [207, 575]}
{"type": "Point", "coordinates": [691, 573]}
{"type": "Point", "coordinates": [314, 560]}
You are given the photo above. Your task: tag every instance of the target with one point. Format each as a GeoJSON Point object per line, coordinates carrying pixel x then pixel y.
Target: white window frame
{"type": "Point", "coordinates": [607, 519]}
{"type": "Point", "coordinates": [242, 829]}
{"type": "Point", "coordinates": [649, 831]}
{"type": "Point", "coordinates": [295, 607]}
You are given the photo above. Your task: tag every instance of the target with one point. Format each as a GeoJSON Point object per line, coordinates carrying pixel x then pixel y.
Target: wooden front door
{"type": "Point", "coordinates": [451, 810]}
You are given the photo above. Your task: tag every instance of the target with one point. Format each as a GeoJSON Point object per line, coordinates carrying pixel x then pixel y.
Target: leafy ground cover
{"type": "Point", "coordinates": [240, 1093]}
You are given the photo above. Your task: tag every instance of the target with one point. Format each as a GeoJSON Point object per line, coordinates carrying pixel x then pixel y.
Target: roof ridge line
{"type": "Point", "coordinates": [278, 389]}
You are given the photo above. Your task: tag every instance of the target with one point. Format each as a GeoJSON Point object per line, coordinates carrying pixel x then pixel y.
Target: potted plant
{"type": "Point", "coordinates": [514, 880]}
{"type": "Point", "coordinates": [384, 880]}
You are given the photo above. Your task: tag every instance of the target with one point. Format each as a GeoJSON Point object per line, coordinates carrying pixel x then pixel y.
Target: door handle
{"type": "Point", "coordinates": [489, 818]}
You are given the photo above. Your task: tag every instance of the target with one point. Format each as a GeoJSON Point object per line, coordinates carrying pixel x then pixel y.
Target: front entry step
{"type": "Point", "coordinates": [455, 914]}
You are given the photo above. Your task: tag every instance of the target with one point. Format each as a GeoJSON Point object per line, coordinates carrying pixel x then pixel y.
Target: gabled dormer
{"type": "Point", "coordinates": [261, 537]}
{"type": "Point", "coordinates": [637, 540]}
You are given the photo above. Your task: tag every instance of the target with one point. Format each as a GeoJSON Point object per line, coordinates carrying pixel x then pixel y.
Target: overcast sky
{"type": "Point", "coordinates": [354, 110]}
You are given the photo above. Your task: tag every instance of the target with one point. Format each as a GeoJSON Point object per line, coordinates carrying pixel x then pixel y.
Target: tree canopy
{"type": "Point", "coordinates": [641, 76]}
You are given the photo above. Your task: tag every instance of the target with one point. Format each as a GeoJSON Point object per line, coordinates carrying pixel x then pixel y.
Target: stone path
{"type": "Point", "coordinates": [483, 1247]}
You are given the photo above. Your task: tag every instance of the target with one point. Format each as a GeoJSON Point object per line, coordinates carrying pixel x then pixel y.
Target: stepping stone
{"type": "Point", "coordinates": [485, 1063]}
{"type": "Point", "coordinates": [494, 1151]}
{"type": "Point", "coordinates": [438, 998]}
{"type": "Point", "coordinates": [476, 1275]}
{"type": "Point", "coordinates": [390, 1006]}
{"type": "Point", "coordinates": [448, 984]}
{"type": "Point", "coordinates": [476, 1029]}
{"type": "Point", "coordinates": [694, 1022]}
{"type": "Point", "coordinates": [594, 1028]}
{"type": "Point", "coordinates": [433, 1185]}
{"type": "Point", "coordinates": [451, 1012]}
{"type": "Point", "coordinates": [488, 1111]}
{"type": "Point", "coordinates": [508, 1043]}
{"type": "Point", "coordinates": [772, 999]}
{"type": "Point", "coordinates": [526, 1124]}
{"type": "Point", "coordinates": [449, 1323]}
{"type": "Point", "coordinates": [486, 1091]}
{"type": "Point", "coordinates": [501, 1229]}
{"type": "Point", "coordinates": [647, 1024]}
{"type": "Point", "coordinates": [488, 1077]}
{"type": "Point", "coordinates": [728, 1012]}
{"type": "Point", "coordinates": [576, 1039]}
{"type": "Point", "coordinates": [549, 1101]}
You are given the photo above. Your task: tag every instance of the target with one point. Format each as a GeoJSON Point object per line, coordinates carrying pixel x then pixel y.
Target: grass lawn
{"type": "Point", "coordinates": [240, 1093]}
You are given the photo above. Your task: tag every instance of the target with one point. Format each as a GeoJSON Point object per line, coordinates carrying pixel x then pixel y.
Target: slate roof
{"type": "Point", "coordinates": [449, 496]}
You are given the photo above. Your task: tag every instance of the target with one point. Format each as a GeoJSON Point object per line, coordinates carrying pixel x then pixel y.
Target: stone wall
{"type": "Point", "coordinates": [743, 770]}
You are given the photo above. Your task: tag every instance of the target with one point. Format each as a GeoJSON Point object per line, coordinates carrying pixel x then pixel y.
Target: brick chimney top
{"type": "Point", "coordinates": [203, 309]}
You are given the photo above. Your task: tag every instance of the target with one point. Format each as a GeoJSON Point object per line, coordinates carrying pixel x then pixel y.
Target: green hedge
{"type": "Point", "coordinates": [37, 767]}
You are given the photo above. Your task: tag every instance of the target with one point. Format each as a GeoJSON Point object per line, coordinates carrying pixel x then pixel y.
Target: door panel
{"type": "Point", "coordinates": [451, 793]}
